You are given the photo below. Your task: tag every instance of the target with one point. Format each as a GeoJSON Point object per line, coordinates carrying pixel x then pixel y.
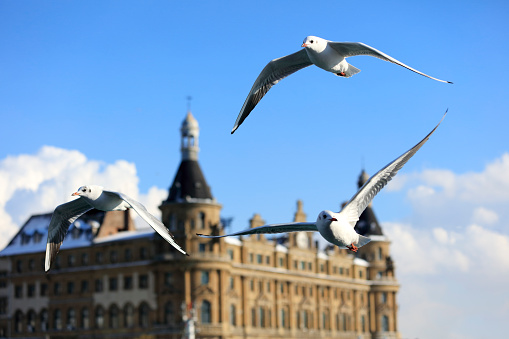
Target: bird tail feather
{"type": "Point", "coordinates": [352, 70]}
{"type": "Point", "coordinates": [363, 240]}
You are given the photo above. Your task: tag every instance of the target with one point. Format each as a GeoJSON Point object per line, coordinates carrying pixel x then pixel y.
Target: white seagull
{"type": "Point", "coordinates": [338, 228]}
{"type": "Point", "coordinates": [328, 55]}
{"type": "Point", "coordinates": [90, 197]}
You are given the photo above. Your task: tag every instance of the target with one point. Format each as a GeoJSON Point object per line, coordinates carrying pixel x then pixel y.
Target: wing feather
{"type": "Point", "coordinates": [348, 49]}
{"type": "Point", "coordinates": [370, 189]}
{"type": "Point", "coordinates": [63, 216]}
{"type": "Point", "coordinates": [273, 72]}
{"type": "Point", "coordinates": [156, 224]}
{"type": "Point", "coordinates": [271, 229]}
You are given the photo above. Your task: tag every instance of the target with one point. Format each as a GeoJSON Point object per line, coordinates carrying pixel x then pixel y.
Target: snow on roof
{"type": "Point", "coordinates": [233, 241]}
{"type": "Point", "coordinates": [322, 255]}
{"type": "Point", "coordinates": [360, 262]}
{"type": "Point", "coordinates": [281, 248]}
{"type": "Point", "coordinates": [126, 235]}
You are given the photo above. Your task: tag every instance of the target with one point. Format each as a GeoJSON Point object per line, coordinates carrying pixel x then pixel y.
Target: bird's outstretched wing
{"type": "Point", "coordinates": [156, 224]}
{"type": "Point", "coordinates": [275, 70]}
{"type": "Point", "coordinates": [367, 192]}
{"type": "Point", "coordinates": [63, 216]}
{"type": "Point", "coordinates": [348, 49]}
{"type": "Point", "coordinates": [271, 229]}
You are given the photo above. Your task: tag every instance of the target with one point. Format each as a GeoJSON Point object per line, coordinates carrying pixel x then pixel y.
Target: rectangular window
{"type": "Point", "coordinates": [267, 260]}
{"type": "Point", "coordinates": [113, 284]}
{"type": "Point", "coordinates": [31, 290]}
{"type": "Point", "coordinates": [84, 286]}
{"type": "Point", "coordinates": [259, 258]}
{"type": "Point", "coordinates": [230, 254]}
{"type": "Point", "coordinates": [281, 262]}
{"type": "Point", "coordinates": [70, 287]}
{"type": "Point", "coordinates": [98, 285]}
{"type": "Point", "coordinates": [128, 282]}
{"type": "Point", "coordinates": [143, 281]}
{"type": "Point", "coordinates": [204, 277]}
{"type": "Point", "coordinates": [168, 279]}
{"type": "Point", "coordinates": [44, 289]}
{"type": "Point", "coordinates": [201, 248]}
{"type": "Point", "coordinates": [18, 291]}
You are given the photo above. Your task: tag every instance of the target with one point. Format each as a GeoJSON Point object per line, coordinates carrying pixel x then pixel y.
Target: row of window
{"type": "Point", "coordinates": [113, 284]}
{"type": "Point", "coordinates": [113, 317]}
{"type": "Point", "coordinates": [83, 259]}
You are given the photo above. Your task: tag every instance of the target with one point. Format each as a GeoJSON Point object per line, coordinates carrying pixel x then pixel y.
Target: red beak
{"type": "Point", "coordinates": [333, 219]}
{"type": "Point", "coordinates": [303, 45]}
{"type": "Point", "coordinates": [75, 193]}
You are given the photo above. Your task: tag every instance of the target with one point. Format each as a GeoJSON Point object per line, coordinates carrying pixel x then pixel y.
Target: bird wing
{"type": "Point", "coordinates": [275, 71]}
{"type": "Point", "coordinates": [367, 192]}
{"type": "Point", "coordinates": [156, 224]}
{"type": "Point", "coordinates": [63, 216]}
{"type": "Point", "coordinates": [348, 49]}
{"type": "Point", "coordinates": [271, 229]}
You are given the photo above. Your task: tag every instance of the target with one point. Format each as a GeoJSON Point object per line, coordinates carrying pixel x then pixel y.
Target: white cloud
{"type": "Point", "coordinates": [452, 253]}
{"type": "Point", "coordinates": [37, 183]}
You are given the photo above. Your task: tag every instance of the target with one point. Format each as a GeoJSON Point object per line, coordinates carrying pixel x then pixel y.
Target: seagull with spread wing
{"type": "Point", "coordinates": [90, 197]}
{"type": "Point", "coordinates": [338, 228]}
{"type": "Point", "coordinates": [328, 55]}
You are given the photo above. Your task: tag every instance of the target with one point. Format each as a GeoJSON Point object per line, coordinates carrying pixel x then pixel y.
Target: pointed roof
{"type": "Point", "coordinates": [368, 223]}
{"type": "Point", "coordinates": [189, 182]}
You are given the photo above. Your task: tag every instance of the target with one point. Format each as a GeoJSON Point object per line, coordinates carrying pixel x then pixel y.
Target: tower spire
{"type": "Point", "coordinates": [189, 138]}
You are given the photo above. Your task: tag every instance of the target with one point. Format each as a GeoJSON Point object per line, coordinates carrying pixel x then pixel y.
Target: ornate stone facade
{"type": "Point", "coordinates": [111, 280]}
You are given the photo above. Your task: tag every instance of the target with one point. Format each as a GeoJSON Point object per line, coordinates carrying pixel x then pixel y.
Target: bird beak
{"type": "Point", "coordinates": [303, 45]}
{"type": "Point", "coordinates": [75, 193]}
{"type": "Point", "coordinates": [333, 219]}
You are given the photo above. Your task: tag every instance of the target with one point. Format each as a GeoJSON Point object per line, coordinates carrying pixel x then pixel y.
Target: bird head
{"type": "Point", "coordinates": [90, 191]}
{"type": "Point", "coordinates": [326, 217]}
{"type": "Point", "coordinates": [314, 43]}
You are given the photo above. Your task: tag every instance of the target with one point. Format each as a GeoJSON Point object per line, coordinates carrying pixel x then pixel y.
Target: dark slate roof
{"type": "Point", "coordinates": [368, 223]}
{"type": "Point", "coordinates": [189, 182]}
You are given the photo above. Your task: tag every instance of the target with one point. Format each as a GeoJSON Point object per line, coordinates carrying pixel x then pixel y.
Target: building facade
{"type": "Point", "coordinates": [111, 280]}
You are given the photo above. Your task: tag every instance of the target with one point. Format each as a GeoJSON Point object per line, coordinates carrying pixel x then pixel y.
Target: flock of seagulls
{"type": "Point", "coordinates": [336, 228]}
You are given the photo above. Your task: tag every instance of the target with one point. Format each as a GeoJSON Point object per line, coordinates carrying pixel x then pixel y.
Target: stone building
{"type": "Point", "coordinates": [111, 280]}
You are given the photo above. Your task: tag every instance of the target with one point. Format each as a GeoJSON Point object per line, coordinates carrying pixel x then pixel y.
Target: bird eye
{"type": "Point", "coordinates": [311, 41]}
{"type": "Point", "coordinates": [89, 190]}
{"type": "Point", "coordinates": [84, 190]}
{"type": "Point", "coordinates": [324, 216]}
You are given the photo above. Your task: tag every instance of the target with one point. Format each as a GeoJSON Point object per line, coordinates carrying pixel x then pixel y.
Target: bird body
{"type": "Point", "coordinates": [90, 197]}
{"type": "Point", "coordinates": [325, 54]}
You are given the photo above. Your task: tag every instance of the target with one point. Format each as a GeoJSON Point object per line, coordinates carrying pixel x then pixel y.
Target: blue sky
{"type": "Point", "coordinates": [109, 79]}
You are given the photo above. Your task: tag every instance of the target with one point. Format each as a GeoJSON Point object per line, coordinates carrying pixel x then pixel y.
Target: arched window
{"type": "Point", "coordinates": [169, 317]}
{"type": "Point", "coordinates": [44, 320]}
{"type": "Point", "coordinates": [113, 316]}
{"type": "Point", "coordinates": [233, 315]}
{"type": "Point", "coordinates": [144, 315]}
{"type": "Point", "coordinates": [18, 321]}
{"type": "Point", "coordinates": [85, 322]}
{"type": "Point", "coordinates": [385, 323]}
{"type": "Point", "coordinates": [99, 317]}
{"type": "Point", "coordinates": [205, 312]}
{"type": "Point", "coordinates": [129, 315]}
{"type": "Point", "coordinates": [71, 319]}
{"type": "Point", "coordinates": [57, 319]}
{"type": "Point", "coordinates": [363, 323]}
{"type": "Point", "coordinates": [31, 321]}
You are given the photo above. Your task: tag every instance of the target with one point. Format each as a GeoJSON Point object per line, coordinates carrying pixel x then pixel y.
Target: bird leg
{"type": "Point", "coordinates": [352, 248]}
{"type": "Point", "coordinates": [341, 74]}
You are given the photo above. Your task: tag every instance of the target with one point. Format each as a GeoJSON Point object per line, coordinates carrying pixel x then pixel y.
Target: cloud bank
{"type": "Point", "coordinates": [37, 183]}
{"type": "Point", "coordinates": [452, 253]}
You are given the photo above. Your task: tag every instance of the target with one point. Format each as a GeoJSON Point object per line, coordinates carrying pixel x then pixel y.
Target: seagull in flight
{"type": "Point", "coordinates": [338, 228]}
{"type": "Point", "coordinates": [328, 55]}
{"type": "Point", "coordinates": [90, 197]}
